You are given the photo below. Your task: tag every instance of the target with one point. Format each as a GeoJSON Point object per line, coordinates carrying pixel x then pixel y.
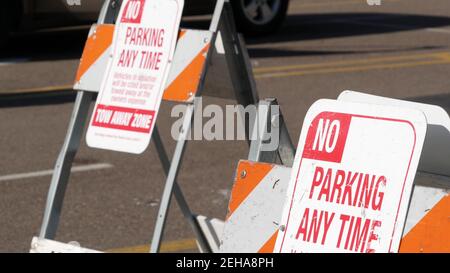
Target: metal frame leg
{"type": "Point", "coordinates": [61, 173]}
{"type": "Point", "coordinates": [179, 196]}
{"type": "Point", "coordinates": [265, 119]}
{"type": "Point", "coordinates": [171, 177]}
{"type": "Point", "coordinates": [244, 83]}
{"type": "Point", "coordinates": [286, 149]}
{"type": "Point", "coordinates": [63, 165]}
{"type": "Point", "coordinates": [173, 167]}
{"type": "Point", "coordinates": [245, 91]}
{"type": "Point", "coordinates": [237, 59]}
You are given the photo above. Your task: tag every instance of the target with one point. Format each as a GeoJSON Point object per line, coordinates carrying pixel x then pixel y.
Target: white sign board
{"type": "Point", "coordinates": [352, 178]}
{"type": "Point", "coordinates": [132, 88]}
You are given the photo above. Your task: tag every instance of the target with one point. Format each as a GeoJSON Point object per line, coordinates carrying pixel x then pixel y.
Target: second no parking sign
{"type": "Point", "coordinates": [352, 178]}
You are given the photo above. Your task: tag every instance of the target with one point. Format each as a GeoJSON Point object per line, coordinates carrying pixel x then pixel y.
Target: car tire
{"type": "Point", "coordinates": [259, 17]}
{"type": "Point", "coordinates": [9, 19]}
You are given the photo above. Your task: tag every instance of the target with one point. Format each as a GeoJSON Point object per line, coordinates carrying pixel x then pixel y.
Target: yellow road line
{"type": "Point", "coordinates": [351, 69]}
{"type": "Point", "coordinates": [354, 65]}
{"type": "Point", "coordinates": [398, 61]}
{"type": "Point", "coordinates": [335, 3]}
{"type": "Point", "coordinates": [445, 56]}
{"type": "Point", "coordinates": [172, 246]}
{"type": "Point", "coordinates": [440, 55]}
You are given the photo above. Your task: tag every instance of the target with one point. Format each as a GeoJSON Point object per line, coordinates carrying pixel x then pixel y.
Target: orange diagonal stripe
{"type": "Point", "coordinates": [181, 33]}
{"type": "Point", "coordinates": [432, 233]}
{"type": "Point", "coordinates": [186, 83]}
{"type": "Point", "coordinates": [95, 46]}
{"type": "Point", "coordinates": [245, 184]}
{"type": "Point", "coordinates": [270, 244]}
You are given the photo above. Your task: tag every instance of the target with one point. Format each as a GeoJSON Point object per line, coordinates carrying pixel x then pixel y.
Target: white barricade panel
{"type": "Point", "coordinates": [95, 58]}
{"type": "Point", "coordinates": [255, 207]}
{"type": "Point", "coordinates": [212, 229]}
{"type": "Point", "coordinates": [427, 225]}
{"type": "Point", "coordinates": [352, 178]}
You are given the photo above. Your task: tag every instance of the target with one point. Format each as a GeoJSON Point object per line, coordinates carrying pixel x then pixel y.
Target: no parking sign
{"type": "Point", "coordinates": [352, 178]}
{"type": "Point", "coordinates": [132, 87]}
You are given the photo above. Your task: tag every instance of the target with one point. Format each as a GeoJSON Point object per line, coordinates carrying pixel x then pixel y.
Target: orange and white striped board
{"type": "Point", "coordinates": [255, 207]}
{"type": "Point", "coordinates": [427, 226]}
{"type": "Point", "coordinates": [186, 71]}
{"type": "Point", "coordinates": [94, 59]}
{"type": "Point", "coordinates": [258, 196]}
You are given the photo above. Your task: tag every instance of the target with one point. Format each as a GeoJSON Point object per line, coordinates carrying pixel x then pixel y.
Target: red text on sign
{"type": "Point", "coordinates": [356, 234]}
{"type": "Point", "coordinates": [327, 136]}
{"type": "Point", "coordinates": [348, 188]}
{"type": "Point", "coordinates": [314, 224]}
{"type": "Point", "coordinates": [133, 12]}
{"type": "Point", "coordinates": [122, 118]}
{"type": "Point", "coordinates": [142, 36]}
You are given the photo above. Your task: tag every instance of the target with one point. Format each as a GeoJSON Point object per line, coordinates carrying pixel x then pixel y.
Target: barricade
{"type": "Point", "coordinates": [198, 53]}
{"type": "Point", "coordinates": [260, 192]}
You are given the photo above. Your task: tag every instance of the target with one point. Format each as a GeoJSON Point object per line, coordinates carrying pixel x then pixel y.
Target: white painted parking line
{"type": "Point", "coordinates": [75, 169]}
{"type": "Point", "coordinates": [4, 62]}
{"type": "Point", "coordinates": [439, 30]}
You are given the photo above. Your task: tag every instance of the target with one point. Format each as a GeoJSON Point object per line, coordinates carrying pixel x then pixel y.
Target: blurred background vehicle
{"type": "Point", "coordinates": [253, 17]}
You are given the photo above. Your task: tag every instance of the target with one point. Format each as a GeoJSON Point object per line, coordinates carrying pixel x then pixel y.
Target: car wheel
{"type": "Point", "coordinates": [9, 18]}
{"type": "Point", "coordinates": [257, 17]}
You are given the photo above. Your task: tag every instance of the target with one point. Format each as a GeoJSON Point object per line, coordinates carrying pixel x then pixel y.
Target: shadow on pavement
{"type": "Point", "coordinates": [37, 99]}
{"type": "Point", "coordinates": [55, 45]}
{"type": "Point", "coordinates": [336, 25]}
{"type": "Point", "coordinates": [43, 46]}
{"type": "Point", "coordinates": [276, 52]}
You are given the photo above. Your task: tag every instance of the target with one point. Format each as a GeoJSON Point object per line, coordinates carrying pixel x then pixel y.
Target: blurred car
{"type": "Point", "coordinates": [253, 17]}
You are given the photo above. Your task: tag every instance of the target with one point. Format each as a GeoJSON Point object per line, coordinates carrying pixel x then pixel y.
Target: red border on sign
{"type": "Point", "coordinates": [404, 181]}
